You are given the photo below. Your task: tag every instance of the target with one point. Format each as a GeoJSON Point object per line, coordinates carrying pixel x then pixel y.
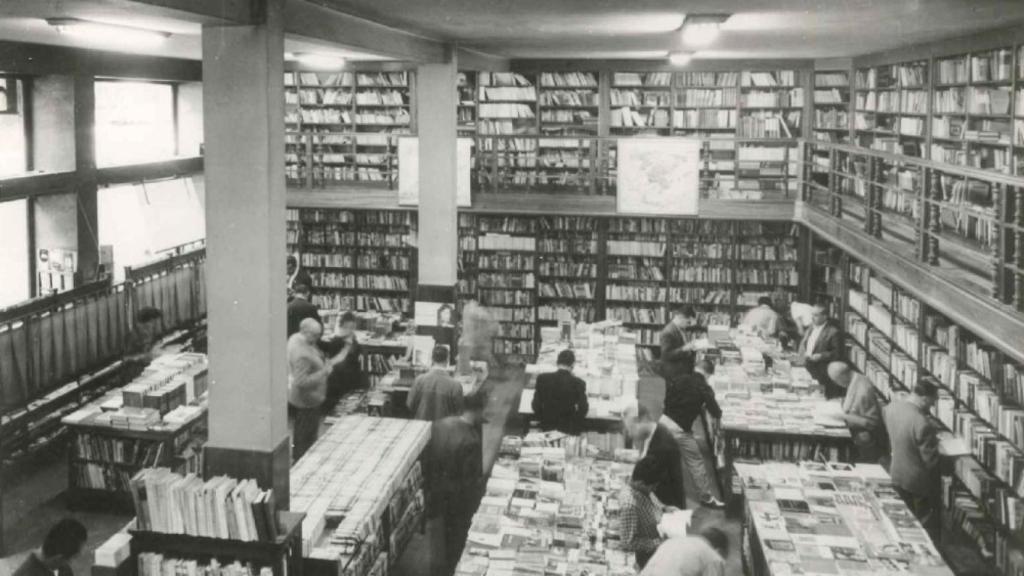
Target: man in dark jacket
{"type": "Point", "coordinates": [347, 375]}
{"type": "Point", "coordinates": [300, 307]}
{"type": "Point", "coordinates": [677, 351]}
{"type": "Point", "coordinates": [685, 401]}
{"type": "Point", "coordinates": [455, 477]}
{"type": "Point", "coordinates": [654, 440]}
{"type": "Point", "coordinates": [560, 400]}
{"type": "Point", "coordinates": [822, 344]}
{"type": "Point", "coordinates": [296, 276]}
{"type": "Point", "coordinates": [63, 543]}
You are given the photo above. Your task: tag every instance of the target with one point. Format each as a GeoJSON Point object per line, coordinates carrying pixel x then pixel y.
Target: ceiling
{"type": "Point", "coordinates": [635, 28]}
{"type": "Point", "coordinates": [604, 29]}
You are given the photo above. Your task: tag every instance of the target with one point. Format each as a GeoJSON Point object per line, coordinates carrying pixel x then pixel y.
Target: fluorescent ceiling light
{"type": "Point", "coordinates": [701, 30]}
{"type": "Point", "coordinates": [321, 61]}
{"type": "Point", "coordinates": [100, 33]}
{"type": "Point", "coordinates": [680, 58]}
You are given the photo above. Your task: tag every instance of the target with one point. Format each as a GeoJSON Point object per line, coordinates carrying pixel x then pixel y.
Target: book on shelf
{"type": "Point", "coordinates": [650, 79]}
{"type": "Point", "coordinates": [155, 564]}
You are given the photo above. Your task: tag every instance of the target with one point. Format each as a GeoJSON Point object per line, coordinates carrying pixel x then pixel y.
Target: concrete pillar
{"type": "Point", "coordinates": [85, 166]}
{"type": "Point", "coordinates": [243, 96]}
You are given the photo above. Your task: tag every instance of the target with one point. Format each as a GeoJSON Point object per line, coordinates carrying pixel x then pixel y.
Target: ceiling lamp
{"type": "Point", "coordinates": [101, 33]}
{"type": "Point", "coordinates": [318, 61]}
{"type": "Point", "coordinates": [680, 58]}
{"type": "Point", "coordinates": [701, 30]}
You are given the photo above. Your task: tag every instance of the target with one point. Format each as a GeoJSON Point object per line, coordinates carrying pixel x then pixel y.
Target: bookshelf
{"type": "Point", "coordinates": [705, 103]}
{"type": "Point", "coordinates": [568, 268]}
{"type": "Point", "coordinates": [702, 275]}
{"type": "Point", "coordinates": [359, 260]}
{"type": "Point", "coordinates": [832, 106]}
{"type": "Point", "coordinates": [891, 108]}
{"type": "Point", "coordinates": [506, 104]}
{"type": "Point", "coordinates": [467, 109]}
{"type": "Point", "coordinates": [771, 104]}
{"type": "Point", "coordinates": [636, 279]}
{"type": "Point", "coordinates": [640, 104]}
{"type": "Point", "coordinates": [569, 103]}
{"type": "Point", "coordinates": [895, 339]}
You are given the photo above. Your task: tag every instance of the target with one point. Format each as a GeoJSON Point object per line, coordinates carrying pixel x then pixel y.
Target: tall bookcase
{"type": "Point", "coordinates": [832, 106]}
{"type": "Point", "coordinates": [358, 259]}
{"type": "Point", "coordinates": [892, 108]}
{"type": "Point", "coordinates": [640, 103]}
{"type": "Point", "coordinates": [568, 267]}
{"type": "Point", "coordinates": [771, 104]}
{"type": "Point", "coordinates": [636, 281]}
{"type": "Point", "coordinates": [569, 103]}
{"type": "Point", "coordinates": [896, 339]}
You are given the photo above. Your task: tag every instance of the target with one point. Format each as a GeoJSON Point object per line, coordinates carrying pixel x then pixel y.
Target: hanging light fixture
{"type": "Point", "coordinates": [700, 30]}
{"type": "Point", "coordinates": [103, 33]}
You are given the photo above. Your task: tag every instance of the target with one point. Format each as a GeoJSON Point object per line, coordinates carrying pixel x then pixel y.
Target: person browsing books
{"type": "Point", "coordinates": [914, 444]}
{"type": "Point", "coordinates": [435, 395]}
{"type": "Point", "coordinates": [347, 375]}
{"type": "Point", "coordinates": [686, 399]}
{"type": "Point", "coordinates": [762, 318]}
{"type": "Point", "coordinates": [677, 349]}
{"type": "Point", "coordinates": [307, 386]}
{"type": "Point", "coordinates": [455, 477]}
{"type": "Point", "coordinates": [822, 344]}
{"type": "Point", "coordinates": [862, 412]}
{"type": "Point", "coordinates": [300, 307]}
{"type": "Point", "coordinates": [62, 544]}
{"type": "Point", "coordinates": [654, 440]}
{"type": "Point", "coordinates": [639, 511]}
{"type": "Point", "coordinates": [560, 398]}
{"type": "Point", "coordinates": [700, 555]}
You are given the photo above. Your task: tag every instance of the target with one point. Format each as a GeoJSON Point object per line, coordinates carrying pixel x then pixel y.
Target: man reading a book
{"type": "Point", "coordinates": [560, 400]}
{"type": "Point", "coordinates": [63, 543]}
{"type": "Point", "coordinates": [307, 383]}
{"type": "Point", "coordinates": [678, 352]}
{"type": "Point", "coordinates": [914, 443]}
{"type": "Point", "coordinates": [822, 344]}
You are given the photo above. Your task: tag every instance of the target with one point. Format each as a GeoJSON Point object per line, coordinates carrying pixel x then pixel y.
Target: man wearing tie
{"type": "Point", "coordinates": [821, 345]}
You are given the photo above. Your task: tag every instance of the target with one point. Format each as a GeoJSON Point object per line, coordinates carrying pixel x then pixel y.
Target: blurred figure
{"type": "Point", "coordinates": [143, 344]}
{"type": "Point", "coordinates": [347, 375]}
{"type": "Point", "coordinates": [63, 543]}
{"type": "Point", "coordinates": [639, 513]}
{"type": "Point", "coordinates": [862, 412]}
{"type": "Point", "coordinates": [763, 319]}
{"type": "Point", "coordinates": [560, 400]}
{"type": "Point", "coordinates": [435, 395]}
{"type": "Point", "coordinates": [655, 440]}
{"type": "Point", "coordinates": [296, 275]}
{"type": "Point", "coordinates": [478, 331]}
{"type": "Point", "coordinates": [700, 555]}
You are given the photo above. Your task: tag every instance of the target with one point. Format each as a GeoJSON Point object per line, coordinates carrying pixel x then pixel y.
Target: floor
{"type": "Point", "coordinates": [33, 495]}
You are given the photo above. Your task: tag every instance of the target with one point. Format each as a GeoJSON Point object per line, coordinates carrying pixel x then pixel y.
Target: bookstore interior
{"type": "Point", "coordinates": [669, 288]}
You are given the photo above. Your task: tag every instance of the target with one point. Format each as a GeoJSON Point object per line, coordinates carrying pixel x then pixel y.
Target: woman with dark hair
{"type": "Point", "coordinates": [63, 543]}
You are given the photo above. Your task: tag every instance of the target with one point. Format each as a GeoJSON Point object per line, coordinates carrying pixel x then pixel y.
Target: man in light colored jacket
{"type": "Point", "coordinates": [914, 443]}
{"type": "Point", "coordinates": [307, 383]}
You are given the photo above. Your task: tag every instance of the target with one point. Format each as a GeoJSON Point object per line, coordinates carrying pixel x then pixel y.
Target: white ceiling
{"type": "Point", "coordinates": [641, 29]}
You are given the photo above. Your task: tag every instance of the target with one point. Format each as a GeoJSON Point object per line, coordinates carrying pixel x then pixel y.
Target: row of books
{"type": "Point", "coordinates": [566, 290]}
{"type": "Point", "coordinates": [360, 302]}
{"type": "Point", "coordinates": [220, 507]}
{"type": "Point", "coordinates": [569, 98]}
{"type": "Point", "coordinates": [153, 564]}
{"type": "Point", "coordinates": [506, 110]}
{"type": "Point", "coordinates": [791, 98]}
{"type": "Point", "coordinates": [568, 79]}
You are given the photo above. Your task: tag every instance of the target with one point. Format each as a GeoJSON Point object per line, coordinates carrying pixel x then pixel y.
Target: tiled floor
{"type": "Point", "coordinates": [33, 497]}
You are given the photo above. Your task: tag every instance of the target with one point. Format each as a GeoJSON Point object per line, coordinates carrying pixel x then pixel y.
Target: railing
{"type": "Point", "coordinates": [965, 219]}
{"type": "Point", "coordinates": [731, 168]}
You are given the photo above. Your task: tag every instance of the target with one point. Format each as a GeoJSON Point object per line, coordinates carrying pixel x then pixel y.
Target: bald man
{"type": "Point", "coordinates": [307, 383]}
{"type": "Point", "coordinates": [862, 411]}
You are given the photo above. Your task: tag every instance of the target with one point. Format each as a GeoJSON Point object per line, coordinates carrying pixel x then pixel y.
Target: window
{"type": "Point", "coordinates": [13, 152]}
{"type": "Point", "coordinates": [134, 122]}
{"type": "Point", "coordinates": [14, 280]}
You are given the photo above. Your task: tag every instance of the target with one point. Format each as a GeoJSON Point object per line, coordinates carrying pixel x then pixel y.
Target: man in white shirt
{"type": "Point", "coordinates": [822, 344]}
{"type": "Point", "coordinates": [702, 555]}
{"type": "Point", "coordinates": [763, 318]}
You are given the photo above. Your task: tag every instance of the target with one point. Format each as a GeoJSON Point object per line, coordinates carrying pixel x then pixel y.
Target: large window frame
{"type": "Point", "coordinates": [173, 128]}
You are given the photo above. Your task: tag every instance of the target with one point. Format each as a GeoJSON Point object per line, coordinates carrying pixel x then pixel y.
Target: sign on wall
{"type": "Point", "coordinates": [658, 176]}
{"type": "Point", "coordinates": [409, 171]}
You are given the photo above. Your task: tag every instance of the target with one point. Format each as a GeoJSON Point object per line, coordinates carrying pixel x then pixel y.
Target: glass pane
{"type": "Point", "coordinates": [134, 122]}
{"type": "Point", "coordinates": [13, 252]}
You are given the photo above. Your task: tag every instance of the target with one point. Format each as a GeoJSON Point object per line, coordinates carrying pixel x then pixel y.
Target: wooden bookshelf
{"type": "Point", "coordinates": [359, 260]}
{"type": "Point", "coordinates": [896, 339]}
{"type": "Point", "coordinates": [466, 91]}
{"type": "Point", "coordinates": [568, 268]}
{"type": "Point", "coordinates": [832, 106]}
{"type": "Point", "coordinates": [771, 104]}
{"type": "Point", "coordinates": [569, 103]}
{"type": "Point", "coordinates": [640, 103]}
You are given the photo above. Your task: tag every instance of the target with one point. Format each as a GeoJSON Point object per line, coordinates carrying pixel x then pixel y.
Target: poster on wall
{"type": "Point", "coordinates": [434, 314]}
{"type": "Point", "coordinates": [658, 176]}
{"type": "Point", "coordinates": [409, 171]}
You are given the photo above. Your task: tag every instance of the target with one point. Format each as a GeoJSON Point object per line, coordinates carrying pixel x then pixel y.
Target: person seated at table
{"type": "Point", "coordinates": [862, 412]}
{"type": "Point", "coordinates": [762, 318]}
{"type": "Point", "coordinates": [640, 511]}
{"type": "Point", "coordinates": [560, 400]}
{"type": "Point", "coordinates": [435, 395]}
{"type": "Point", "coordinates": [654, 439]}
{"type": "Point", "coordinates": [700, 555]}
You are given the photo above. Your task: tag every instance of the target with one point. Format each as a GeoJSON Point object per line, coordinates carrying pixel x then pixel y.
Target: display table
{"type": "Point", "coordinates": [548, 511]}
{"type": "Point", "coordinates": [815, 518]}
{"type": "Point", "coordinates": [360, 486]}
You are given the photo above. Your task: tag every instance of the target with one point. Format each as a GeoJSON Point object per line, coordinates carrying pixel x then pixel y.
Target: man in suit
{"type": "Point", "coordinates": [301, 308]}
{"type": "Point", "coordinates": [822, 345]}
{"type": "Point", "coordinates": [677, 350]}
{"type": "Point", "coordinates": [654, 440]}
{"type": "Point", "coordinates": [560, 400]}
{"type": "Point", "coordinates": [63, 543]}
{"type": "Point", "coordinates": [435, 395]}
{"type": "Point", "coordinates": [914, 443]}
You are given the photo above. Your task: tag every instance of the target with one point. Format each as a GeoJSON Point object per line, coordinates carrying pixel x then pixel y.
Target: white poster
{"type": "Point", "coordinates": [658, 176]}
{"type": "Point", "coordinates": [409, 171]}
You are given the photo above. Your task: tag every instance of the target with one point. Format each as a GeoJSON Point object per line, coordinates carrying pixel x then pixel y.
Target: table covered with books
{"type": "Point", "coordinates": [830, 518]}
{"type": "Point", "coordinates": [551, 507]}
{"type": "Point", "coordinates": [360, 487]}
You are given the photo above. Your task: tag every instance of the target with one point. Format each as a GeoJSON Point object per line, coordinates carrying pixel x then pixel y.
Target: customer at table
{"type": "Point", "coordinates": [762, 318]}
{"type": "Point", "coordinates": [560, 398]}
{"type": "Point", "coordinates": [914, 444]}
{"type": "Point", "coordinates": [655, 440]}
{"type": "Point", "coordinates": [700, 555]}
{"type": "Point", "coordinates": [862, 412]}
{"type": "Point", "coordinates": [676, 340]}
{"type": "Point", "coordinates": [435, 395]}
{"type": "Point", "coordinates": [348, 374]}
{"type": "Point", "coordinates": [640, 512]}
{"type": "Point", "coordinates": [307, 383]}
{"type": "Point", "coordinates": [686, 399]}
{"type": "Point", "coordinates": [822, 344]}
